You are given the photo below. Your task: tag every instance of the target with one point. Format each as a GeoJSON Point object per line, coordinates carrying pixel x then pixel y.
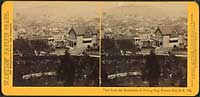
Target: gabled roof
{"type": "Point", "coordinates": [167, 30]}
{"type": "Point", "coordinates": [81, 30]}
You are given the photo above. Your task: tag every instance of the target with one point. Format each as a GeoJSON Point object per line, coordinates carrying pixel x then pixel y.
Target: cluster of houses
{"type": "Point", "coordinates": [77, 39]}
{"type": "Point", "coordinates": [163, 37]}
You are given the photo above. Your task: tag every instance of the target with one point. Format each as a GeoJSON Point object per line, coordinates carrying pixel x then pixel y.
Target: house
{"type": "Point", "coordinates": [59, 40]}
{"type": "Point", "coordinates": [82, 36]}
{"type": "Point", "coordinates": [169, 36]}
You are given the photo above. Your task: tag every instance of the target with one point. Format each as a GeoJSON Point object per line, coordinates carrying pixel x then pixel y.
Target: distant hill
{"type": "Point", "coordinates": [53, 11]}
{"type": "Point", "coordinates": [148, 10]}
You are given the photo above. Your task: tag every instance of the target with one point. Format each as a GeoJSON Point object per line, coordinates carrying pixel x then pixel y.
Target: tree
{"type": "Point", "coordinates": [66, 69]}
{"type": "Point", "coordinates": [153, 69]}
{"type": "Point", "coordinates": [108, 45]}
{"type": "Point", "coordinates": [40, 45]}
{"type": "Point", "coordinates": [22, 46]}
{"type": "Point", "coordinates": [127, 45]}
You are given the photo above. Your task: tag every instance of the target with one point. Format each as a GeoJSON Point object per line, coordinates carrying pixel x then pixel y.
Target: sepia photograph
{"type": "Point", "coordinates": [56, 43]}
{"type": "Point", "coordinates": [144, 44]}
{"type": "Point", "coordinates": [102, 48]}
{"type": "Point", "coordinates": [60, 44]}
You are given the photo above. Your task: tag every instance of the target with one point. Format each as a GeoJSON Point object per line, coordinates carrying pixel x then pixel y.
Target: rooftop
{"type": "Point", "coordinates": [81, 30]}
{"type": "Point", "coordinates": [167, 30]}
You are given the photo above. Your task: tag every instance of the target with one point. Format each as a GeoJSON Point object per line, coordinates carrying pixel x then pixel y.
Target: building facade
{"type": "Point", "coordinates": [82, 37]}
{"type": "Point", "coordinates": [169, 37]}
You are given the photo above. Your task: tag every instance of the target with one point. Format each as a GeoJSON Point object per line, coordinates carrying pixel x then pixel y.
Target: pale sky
{"type": "Point", "coordinates": [87, 9]}
{"type": "Point", "coordinates": [61, 8]}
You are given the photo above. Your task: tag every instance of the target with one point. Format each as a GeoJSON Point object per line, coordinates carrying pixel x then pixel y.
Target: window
{"type": "Point", "coordinates": [172, 41]}
{"type": "Point", "coordinates": [87, 41]}
{"type": "Point", "coordinates": [161, 43]}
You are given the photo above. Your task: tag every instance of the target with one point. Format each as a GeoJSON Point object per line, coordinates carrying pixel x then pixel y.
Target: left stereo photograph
{"type": "Point", "coordinates": [56, 43]}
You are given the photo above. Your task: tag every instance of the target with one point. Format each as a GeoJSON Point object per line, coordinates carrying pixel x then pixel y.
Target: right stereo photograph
{"type": "Point", "coordinates": [144, 48]}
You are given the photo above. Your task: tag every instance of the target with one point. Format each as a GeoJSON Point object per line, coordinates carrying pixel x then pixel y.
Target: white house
{"type": "Point", "coordinates": [82, 36]}
{"type": "Point", "coordinates": [170, 36]}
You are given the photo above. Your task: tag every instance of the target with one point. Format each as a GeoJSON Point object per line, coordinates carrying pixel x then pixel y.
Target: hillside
{"type": "Point", "coordinates": [148, 10]}
{"type": "Point", "coordinates": [53, 11]}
